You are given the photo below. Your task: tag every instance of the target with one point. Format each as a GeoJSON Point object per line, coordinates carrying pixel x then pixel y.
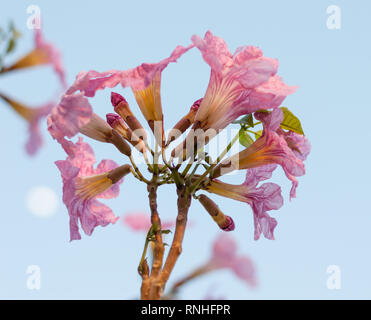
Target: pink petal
{"type": "Point", "coordinates": [255, 175]}
{"type": "Point", "coordinates": [90, 212]}
{"type": "Point", "coordinates": [265, 198]}
{"type": "Point", "coordinates": [140, 221]}
{"type": "Point", "coordinates": [244, 269]}
{"type": "Point", "coordinates": [94, 213]}
{"type": "Point", "coordinates": [35, 140]}
{"type": "Point", "coordinates": [104, 166]}
{"type": "Point", "coordinates": [66, 119]}
{"type": "Point", "coordinates": [140, 77]}
{"type": "Point", "coordinates": [137, 221]}
{"type": "Point", "coordinates": [54, 55]}
{"type": "Point", "coordinates": [269, 94]}
{"type": "Point", "coordinates": [224, 251]}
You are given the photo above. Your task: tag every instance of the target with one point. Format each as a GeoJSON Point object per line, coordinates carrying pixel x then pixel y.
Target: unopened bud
{"type": "Point", "coordinates": [223, 221]}
{"type": "Point", "coordinates": [117, 123]}
{"type": "Point", "coordinates": [119, 142]}
{"type": "Point", "coordinates": [118, 173]}
{"type": "Point", "coordinates": [184, 123]}
{"type": "Point", "coordinates": [121, 107]}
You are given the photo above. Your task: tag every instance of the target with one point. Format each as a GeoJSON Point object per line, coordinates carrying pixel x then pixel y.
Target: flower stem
{"type": "Point", "coordinates": [194, 187]}
{"type": "Point", "coordinates": [184, 202]}
{"type": "Point", "coordinates": [158, 252]}
{"type": "Point", "coordinates": [138, 173]}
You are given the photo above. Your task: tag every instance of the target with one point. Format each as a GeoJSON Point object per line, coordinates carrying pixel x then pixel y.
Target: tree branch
{"type": "Point", "coordinates": [184, 202]}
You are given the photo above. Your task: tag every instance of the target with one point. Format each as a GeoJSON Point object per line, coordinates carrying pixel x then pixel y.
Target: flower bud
{"type": "Point", "coordinates": [117, 123]}
{"type": "Point", "coordinates": [119, 142]}
{"type": "Point", "coordinates": [118, 173]}
{"type": "Point", "coordinates": [223, 221]}
{"type": "Point", "coordinates": [121, 107]}
{"type": "Point", "coordinates": [184, 123]}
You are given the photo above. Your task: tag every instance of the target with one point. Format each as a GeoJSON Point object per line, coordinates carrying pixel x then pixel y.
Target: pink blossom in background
{"type": "Point", "coordinates": [43, 53]}
{"type": "Point", "coordinates": [225, 256]}
{"type": "Point", "coordinates": [141, 221]}
{"type": "Point", "coordinates": [35, 141]}
{"type": "Point", "coordinates": [244, 269]}
{"type": "Point", "coordinates": [53, 55]}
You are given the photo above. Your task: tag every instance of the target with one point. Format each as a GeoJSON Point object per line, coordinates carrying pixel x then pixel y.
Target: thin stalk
{"type": "Point", "coordinates": [194, 187]}
{"type": "Point", "coordinates": [137, 171]}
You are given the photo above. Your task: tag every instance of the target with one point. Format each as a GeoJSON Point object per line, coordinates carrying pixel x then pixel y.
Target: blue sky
{"type": "Point", "coordinates": [327, 224]}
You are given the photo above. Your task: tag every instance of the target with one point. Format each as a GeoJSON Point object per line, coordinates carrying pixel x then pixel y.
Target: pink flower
{"type": "Point", "coordinates": [145, 82]}
{"type": "Point", "coordinates": [244, 269]}
{"type": "Point", "coordinates": [224, 251]}
{"type": "Point", "coordinates": [239, 84]}
{"type": "Point", "coordinates": [83, 185]}
{"type": "Point", "coordinates": [298, 144]}
{"type": "Point", "coordinates": [270, 148]}
{"type": "Point", "coordinates": [43, 53]}
{"type": "Point", "coordinates": [140, 221]}
{"type": "Point", "coordinates": [35, 140]}
{"type": "Point", "coordinates": [261, 199]}
{"type": "Point", "coordinates": [52, 55]}
{"type": "Point", "coordinates": [74, 110]}
{"type": "Point", "coordinates": [225, 256]}
{"type": "Point", "coordinates": [33, 116]}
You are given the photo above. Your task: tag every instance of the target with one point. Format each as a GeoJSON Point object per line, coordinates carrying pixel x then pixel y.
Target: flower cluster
{"type": "Point", "coordinates": [244, 84]}
{"type": "Point", "coordinates": [241, 84]}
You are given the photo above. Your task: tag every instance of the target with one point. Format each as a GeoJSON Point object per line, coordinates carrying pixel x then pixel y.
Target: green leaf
{"type": "Point", "coordinates": [166, 231]}
{"type": "Point", "coordinates": [258, 134]}
{"type": "Point", "coordinates": [245, 138]}
{"type": "Point", "coordinates": [15, 33]}
{"type": "Point", "coordinates": [291, 122]}
{"type": "Point", "coordinates": [248, 119]}
{"type": "Point", "coordinates": [11, 45]}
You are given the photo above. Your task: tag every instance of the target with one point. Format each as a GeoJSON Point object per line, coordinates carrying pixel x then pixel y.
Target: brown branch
{"type": "Point", "coordinates": [195, 274]}
{"type": "Point", "coordinates": [145, 288]}
{"type": "Point", "coordinates": [184, 202]}
{"type": "Point", "coordinates": [158, 252]}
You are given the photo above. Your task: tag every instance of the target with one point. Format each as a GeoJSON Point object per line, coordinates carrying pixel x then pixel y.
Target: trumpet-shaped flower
{"type": "Point", "coordinates": [270, 148]}
{"type": "Point", "coordinates": [261, 199]}
{"type": "Point", "coordinates": [299, 144]}
{"type": "Point", "coordinates": [239, 84]}
{"type": "Point", "coordinates": [145, 82]}
{"type": "Point", "coordinates": [224, 256]}
{"type": "Point", "coordinates": [83, 185]}
{"type": "Point", "coordinates": [33, 115]}
{"type": "Point", "coordinates": [74, 111]}
{"type": "Point", "coordinates": [43, 53]}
